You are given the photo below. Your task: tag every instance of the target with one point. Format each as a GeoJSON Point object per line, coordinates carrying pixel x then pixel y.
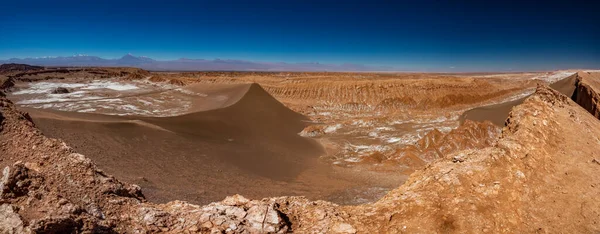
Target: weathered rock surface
{"type": "Point", "coordinates": [137, 75]}
{"type": "Point", "coordinates": [10, 221]}
{"type": "Point", "coordinates": [540, 176]}
{"type": "Point", "coordinates": [60, 90]}
{"type": "Point", "coordinates": [14, 67]}
{"type": "Point", "coordinates": [471, 135]}
{"type": "Point", "coordinates": [6, 83]}
{"type": "Point", "coordinates": [586, 92]}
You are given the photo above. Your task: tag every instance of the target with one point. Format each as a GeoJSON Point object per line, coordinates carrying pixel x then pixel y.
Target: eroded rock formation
{"type": "Point", "coordinates": [586, 92]}
{"type": "Point", "coordinates": [470, 135]}
{"type": "Point", "coordinates": [6, 83]}
{"type": "Point", "coordinates": [14, 67]}
{"type": "Point", "coordinates": [60, 90]}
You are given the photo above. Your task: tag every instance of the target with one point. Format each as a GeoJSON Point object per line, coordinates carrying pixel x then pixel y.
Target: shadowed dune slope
{"type": "Point", "coordinates": [266, 128]}
{"type": "Point", "coordinates": [248, 144]}
{"type": "Point", "coordinates": [498, 113]}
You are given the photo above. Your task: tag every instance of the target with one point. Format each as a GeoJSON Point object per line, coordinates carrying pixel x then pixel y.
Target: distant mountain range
{"type": "Point", "coordinates": [184, 64]}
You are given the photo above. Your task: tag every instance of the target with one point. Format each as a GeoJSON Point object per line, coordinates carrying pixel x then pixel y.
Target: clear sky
{"type": "Point", "coordinates": [434, 35]}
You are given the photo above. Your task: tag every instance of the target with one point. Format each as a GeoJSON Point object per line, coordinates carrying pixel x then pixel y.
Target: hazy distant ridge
{"type": "Point", "coordinates": [184, 64]}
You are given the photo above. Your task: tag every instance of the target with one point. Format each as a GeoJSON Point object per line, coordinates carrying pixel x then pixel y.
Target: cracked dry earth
{"type": "Point", "coordinates": [541, 175]}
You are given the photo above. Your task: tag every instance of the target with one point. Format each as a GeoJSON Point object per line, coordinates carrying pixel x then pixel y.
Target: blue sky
{"type": "Point", "coordinates": [408, 35]}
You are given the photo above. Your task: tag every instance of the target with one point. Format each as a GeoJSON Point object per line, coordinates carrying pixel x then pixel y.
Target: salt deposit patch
{"type": "Point", "coordinates": [53, 99]}
{"type": "Point", "coordinates": [46, 87]}
{"type": "Point", "coordinates": [394, 139]}
{"type": "Point", "coordinates": [110, 100]}
{"type": "Point", "coordinates": [147, 103]}
{"type": "Point", "coordinates": [365, 149]}
{"type": "Point", "coordinates": [555, 76]}
{"type": "Point", "coordinates": [405, 139]}
{"type": "Point", "coordinates": [192, 93]}
{"type": "Point", "coordinates": [41, 92]}
{"type": "Point", "coordinates": [87, 110]}
{"type": "Point", "coordinates": [110, 96]}
{"type": "Point", "coordinates": [129, 107]}
{"type": "Point", "coordinates": [384, 129]}
{"type": "Point", "coordinates": [362, 123]}
{"type": "Point", "coordinates": [112, 85]}
{"type": "Point", "coordinates": [333, 128]}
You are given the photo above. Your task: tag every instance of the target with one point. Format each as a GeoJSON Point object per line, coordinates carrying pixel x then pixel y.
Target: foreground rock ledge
{"type": "Point", "coordinates": [542, 176]}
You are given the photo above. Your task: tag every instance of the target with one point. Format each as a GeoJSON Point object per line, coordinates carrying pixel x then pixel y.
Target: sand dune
{"type": "Point", "coordinates": [264, 129]}
{"type": "Point", "coordinates": [244, 142]}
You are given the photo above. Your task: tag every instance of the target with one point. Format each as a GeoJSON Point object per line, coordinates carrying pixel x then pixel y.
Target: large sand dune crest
{"type": "Point", "coordinates": [255, 120]}
{"type": "Point", "coordinates": [246, 143]}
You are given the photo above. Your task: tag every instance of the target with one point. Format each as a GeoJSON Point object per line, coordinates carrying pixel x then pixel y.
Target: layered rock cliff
{"type": "Point", "coordinates": [586, 92]}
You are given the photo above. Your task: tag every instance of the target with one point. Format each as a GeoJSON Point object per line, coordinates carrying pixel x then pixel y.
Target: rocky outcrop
{"type": "Point", "coordinates": [60, 90]}
{"type": "Point", "coordinates": [156, 78]}
{"type": "Point", "coordinates": [540, 176]}
{"type": "Point", "coordinates": [586, 92]}
{"type": "Point", "coordinates": [176, 82]}
{"type": "Point", "coordinates": [137, 74]}
{"type": "Point", "coordinates": [6, 83]}
{"type": "Point", "coordinates": [434, 145]}
{"type": "Point", "coordinates": [49, 73]}
{"type": "Point", "coordinates": [535, 179]}
{"type": "Point", "coordinates": [391, 95]}
{"type": "Point", "coordinates": [14, 67]}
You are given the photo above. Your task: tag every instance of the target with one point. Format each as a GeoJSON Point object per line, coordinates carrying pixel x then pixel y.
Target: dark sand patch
{"type": "Point", "coordinates": [498, 113]}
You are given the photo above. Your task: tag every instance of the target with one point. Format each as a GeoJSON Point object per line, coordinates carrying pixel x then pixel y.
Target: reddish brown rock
{"type": "Point", "coordinates": [586, 92]}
